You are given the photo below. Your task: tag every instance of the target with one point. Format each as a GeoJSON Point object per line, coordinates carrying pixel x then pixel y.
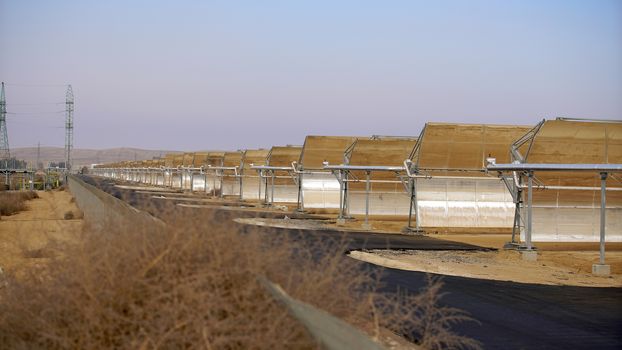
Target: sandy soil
{"type": "Point", "coordinates": [29, 238]}
{"type": "Point", "coordinates": [552, 267]}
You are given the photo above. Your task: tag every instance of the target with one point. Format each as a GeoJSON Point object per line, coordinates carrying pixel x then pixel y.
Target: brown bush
{"type": "Point", "coordinates": [28, 195]}
{"type": "Point", "coordinates": [196, 285]}
{"type": "Point", "coordinates": [14, 202]}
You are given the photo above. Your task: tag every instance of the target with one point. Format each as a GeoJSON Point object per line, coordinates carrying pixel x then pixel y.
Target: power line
{"type": "Point", "coordinates": [35, 113]}
{"type": "Point", "coordinates": [34, 124]}
{"type": "Point", "coordinates": [35, 85]}
{"type": "Point", "coordinates": [36, 104]}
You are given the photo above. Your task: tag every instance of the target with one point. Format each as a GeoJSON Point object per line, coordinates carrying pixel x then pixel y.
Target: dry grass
{"type": "Point", "coordinates": [14, 202]}
{"type": "Point", "coordinates": [196, 286]}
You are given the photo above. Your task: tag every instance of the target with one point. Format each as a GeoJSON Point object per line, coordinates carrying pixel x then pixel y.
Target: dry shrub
{"type": "Point", "coordinates": [422, 319]}
{"type": "Point", "coordinates": [68, 215]}
{"type": "Point", "coordinates": [196, 285]}
{"type": "Point", "coordinates": [14, 202]}
{"type": "Point", "coordinates": [28, 195]}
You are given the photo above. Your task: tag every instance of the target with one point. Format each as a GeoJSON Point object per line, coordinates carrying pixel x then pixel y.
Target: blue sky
{"type": "Point", "coordinates": [193, 75]}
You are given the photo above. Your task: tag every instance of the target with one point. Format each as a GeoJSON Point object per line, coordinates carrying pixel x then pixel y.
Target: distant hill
{"type": "Point", "coordinates": [82, 157]}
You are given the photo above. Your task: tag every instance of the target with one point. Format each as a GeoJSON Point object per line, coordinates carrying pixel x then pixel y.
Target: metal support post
{"type": "Point", "coordinates": [214, 183]}
{"type": "Point", "coordinates": [346, 196]}
{"type": "Point", "coordinates": [205, 182]}
{"type": "Point", "coordinates": [301, 206]}
{"type": "Point", "coordinates": [222, 181]}
{"type": "Point", "coordinates": [529, 211]}
{"type": "Point", "coordinates": [240, 184]}
{"type": "Point", "coordinates": [603, 215]}
{"type": "Point", "coordinates": [260, 180]}
{"type": "Point", "coordinates": [366, 225]}
{"type": "Point", "coordinates": [272, 188]}
{"type": "Point", "coordinates": [529, 253]}
{"type": "Point", "coordinates": [341, 218]}
{"type": "Point", "coordinates": [601, 268]}
{"type": "Point", "coordinates": [412, 203]}
{"type": "Point", "coordinates": [266, 196]}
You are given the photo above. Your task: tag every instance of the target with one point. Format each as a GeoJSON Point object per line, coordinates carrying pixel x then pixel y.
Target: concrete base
{"type": "Point", "coordinates": [529, 255]}
{"type": "Point", "coordinates": [601, 269]}
{"type": "Point", "coordinates": [341, 221]}
{"type": "Point", "coordinates": [366, 226]}
{"type": "Point", "coordinates": [413, 231]}
{"type": "Point", "coordinates": [511, 246]}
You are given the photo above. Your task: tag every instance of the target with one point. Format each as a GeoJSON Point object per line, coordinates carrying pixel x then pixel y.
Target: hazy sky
{"type": "Point", "coordinates": [193, 75]}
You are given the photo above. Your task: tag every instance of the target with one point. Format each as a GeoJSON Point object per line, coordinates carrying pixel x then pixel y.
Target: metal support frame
{"type": "Point", "coordinates": [219, 171]}
{"type": "Point", "coordinates": [603, 169]}
{"type": "Point", "coordinates": [341, 173]}
{"type": "Point", "coordinates": [265, 172]}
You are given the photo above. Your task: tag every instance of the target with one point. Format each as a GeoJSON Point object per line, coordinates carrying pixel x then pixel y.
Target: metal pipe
{"type": "Point", "coordinates": [269, 167]}
{"type": "Point", "coordinates": [555, 167]}
{"type": "Point", "coordinates": [363, 167]}
{"type": "Point", "coordinates": [590, 120]}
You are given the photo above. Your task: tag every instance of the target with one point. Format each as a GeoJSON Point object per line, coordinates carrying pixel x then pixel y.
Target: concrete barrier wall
{"type": "Point", "coordinates": [102, 210]}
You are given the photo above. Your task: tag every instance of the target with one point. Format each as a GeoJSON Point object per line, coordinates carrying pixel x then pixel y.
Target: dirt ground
{"type": "Point", "coordinates": [552, 267]}
{"type": "Point", "coordinates": [28, 238]}
{"type": "Point", "coordinates": [557, 263]}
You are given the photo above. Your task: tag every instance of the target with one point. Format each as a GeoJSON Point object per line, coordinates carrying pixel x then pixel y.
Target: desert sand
{"type": "Point", "coordinates": [29, 238]}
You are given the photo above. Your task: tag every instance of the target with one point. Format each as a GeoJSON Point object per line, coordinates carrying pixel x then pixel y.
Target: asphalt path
{"type": "Point", "coordinates": [510, 315]}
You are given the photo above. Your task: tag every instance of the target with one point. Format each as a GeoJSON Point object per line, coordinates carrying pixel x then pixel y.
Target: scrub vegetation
{"type": "Point", "coordinates": [12, 202]}
{"type": "Point", "coordinates": [191, 285]}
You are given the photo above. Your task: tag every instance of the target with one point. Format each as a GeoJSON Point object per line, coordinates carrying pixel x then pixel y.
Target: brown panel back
{"type": "Point", "coordinates": [284, 155]}
{"type": "Point", "coordinates": [466, 146]}
{"type": "Point", "coordinates": [188, 159]}
{"type": "Point", "coordinates": [255, 157]}
{"type": "Point", "coordinates": [380, 152]}
{"type": "Point", "coordinates": [318, 149]}
{"type": "Point", "coordinates": [576, 142]}
{"type": "Point", "coordinates": [200, 159]}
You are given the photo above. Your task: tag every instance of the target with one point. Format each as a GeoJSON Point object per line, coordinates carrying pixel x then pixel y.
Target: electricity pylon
{"type": "Point", "coordinates": [68, 127]}
{"type": "Point", "coordinates": [5, 154]}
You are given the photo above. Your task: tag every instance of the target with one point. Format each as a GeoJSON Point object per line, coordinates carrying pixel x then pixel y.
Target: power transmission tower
{"type": "Point", "coordinates": [68, 127]}
{"type": "Point", "coordinates": [5, 154]}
